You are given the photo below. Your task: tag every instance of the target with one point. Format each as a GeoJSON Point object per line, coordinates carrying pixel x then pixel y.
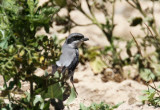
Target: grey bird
{"type": "Point", "coordinates": [69, 58]}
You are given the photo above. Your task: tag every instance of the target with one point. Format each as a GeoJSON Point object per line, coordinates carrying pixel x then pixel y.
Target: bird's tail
{"type": "Point", "coordinates": [54, 68]}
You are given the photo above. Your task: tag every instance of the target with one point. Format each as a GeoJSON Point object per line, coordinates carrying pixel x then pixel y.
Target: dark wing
{"type": "Point", "coordinates": [74, 63]}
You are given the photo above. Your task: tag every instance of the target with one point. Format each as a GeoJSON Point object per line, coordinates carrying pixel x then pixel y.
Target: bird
{"type": "Point", "coordinates": [69, 58]}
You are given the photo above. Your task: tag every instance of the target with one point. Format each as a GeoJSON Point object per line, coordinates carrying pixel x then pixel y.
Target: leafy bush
{"type": "Point", "coordinates": [148, 64]}
{"type": "Point", "coordinates": [101, 106]}
{"type": "Point", "coordinates": [151, 96]}
{"type": "Point", "coordinates": [22, 52]}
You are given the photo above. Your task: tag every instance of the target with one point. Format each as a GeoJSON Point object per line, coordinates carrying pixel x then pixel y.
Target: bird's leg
{"type": "Point", "coordinates": [63, 73]}
{"type": "Point", "coordinates": [71, 79]}
{"type": "Point", "coordinates": [64, 70]}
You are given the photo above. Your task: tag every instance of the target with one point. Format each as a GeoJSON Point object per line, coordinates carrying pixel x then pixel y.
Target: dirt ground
{"type": "Point", "coordinates": [90, 89]}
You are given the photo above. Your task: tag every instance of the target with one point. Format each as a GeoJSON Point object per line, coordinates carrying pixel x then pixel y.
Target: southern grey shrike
{"type": "Point", "coordinates": [69, 58]}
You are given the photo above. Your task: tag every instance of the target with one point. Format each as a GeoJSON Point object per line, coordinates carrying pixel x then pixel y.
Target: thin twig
{"type": "Point", "coordinates": [139, 49]}
{"type": "Point", "coordinates": [149, 29]}
{"type": "Point", "coordinates": [20, 102]}
{"type": "Point", "coordinates": [154, 88]}
{"type": "Point", "coordinates": [131, 4]}
{"type": "Point", "coordinates": [5, 83]}
{"type": "Point", "coordinates": [153, 15]}
{"type": "Point", "coordinates": [81, 24]}
{"type": "Point", "coordinates": [93, 18]}
{"type": "Point", "coordinates": [152, 34]}
{"type": "Point", "coordinates": [113, 13]}
{"type": "Point", "coordinates": [90, 10]}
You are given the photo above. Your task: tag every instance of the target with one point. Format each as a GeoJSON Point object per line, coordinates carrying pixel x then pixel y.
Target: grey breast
{"type": "Point", "coordinates": [67, 56]}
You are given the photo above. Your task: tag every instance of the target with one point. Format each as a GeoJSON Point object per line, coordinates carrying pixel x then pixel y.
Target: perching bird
{"type": "Point", "coordinates": [69, 58]}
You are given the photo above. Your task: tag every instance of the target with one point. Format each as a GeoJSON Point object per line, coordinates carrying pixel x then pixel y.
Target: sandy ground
{"type": "Point", "coordinates": [90, 89]}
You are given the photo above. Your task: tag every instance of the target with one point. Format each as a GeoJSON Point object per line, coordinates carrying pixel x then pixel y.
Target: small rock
{"type": "Point", "coordinates": [75, 80]}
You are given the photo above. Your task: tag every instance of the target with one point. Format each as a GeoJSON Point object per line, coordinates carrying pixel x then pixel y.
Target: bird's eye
{"type": "Point", "coordinates": [78, 37]}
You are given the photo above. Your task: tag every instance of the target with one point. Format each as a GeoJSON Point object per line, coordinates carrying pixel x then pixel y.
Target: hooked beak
{"type": "Point", "coordinates": [85, 39]}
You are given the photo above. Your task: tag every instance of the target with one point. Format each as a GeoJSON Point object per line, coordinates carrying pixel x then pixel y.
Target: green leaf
{"type": "Point", "coordinates": [46, 27]}
{"type": "Point", "coordinates": [151, 93]}
{"type": "Point", "coordinates": [11, 85]}
{"type": "Point", "coordinates": [143, 98]}
{"type": "Point", "coordinates": [46, 105]}
{"type": "Point", "coordinates": [97, 65]}
{"type": "Point", "coordinates": [10, 5]}
{"type": "Point", "coordinates": [61, 3]}
{"type": "Point", "coordinates": [4, 44]}
{"type": "Point", "coordinates": [117, 105]}
{"type": "Point", "coordinates": [3, 34]}
{"type": "Point", "coordinates": [146, 74]}
{"type": "Point", "coordinates": [54, 91]}
{"type": "Point", "coordinates": [156, 69]}
{"type": "Point", "coordinates": [28, 96]}
{"type": "Point", "coordinates": [31, 6]}
{"type": "Point", "coordinates": [31, 27]}
{"type": "Point", "coordinates": [101, 106]}
{"type": "Point", "coordinates": [10, 106]}
{"type": "Point", "coordinates": [72, 96]}
{"type": "Point", "coordinates": [83, 107]}
{"type": "Point", "coordinates": [57, 75]}
{"type": "Point", "coordinates": [38, 98]}
{"type": "Point", "coordinates": [42, 106]}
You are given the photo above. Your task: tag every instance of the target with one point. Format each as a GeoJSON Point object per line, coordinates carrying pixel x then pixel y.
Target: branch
{"type": "Point", "coordinates": [131, 4]}
{"type": "Point", "coordinates": [154, 88]}
{"type": "Point", "coordinates": [81, 24]}
{"type": "Point", "coordinates": [139, 49]}
{"type": "Point", "coordinates": [149, 29]}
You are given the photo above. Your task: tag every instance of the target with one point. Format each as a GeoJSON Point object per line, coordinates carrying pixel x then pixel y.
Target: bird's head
{"type": "Point", "coordinates": [74, 40]}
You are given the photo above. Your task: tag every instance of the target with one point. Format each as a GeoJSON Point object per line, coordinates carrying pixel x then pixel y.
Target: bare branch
{"type": "Point", "coordinates": [139, 49]}
{"type": "Point", "coordinates": [149, 29]}
{"type": "Point", "coordinates": [131, 4]}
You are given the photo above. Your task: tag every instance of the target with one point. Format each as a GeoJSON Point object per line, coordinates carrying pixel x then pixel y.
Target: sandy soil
{"type": "Point", "coordinates": [90, 89]}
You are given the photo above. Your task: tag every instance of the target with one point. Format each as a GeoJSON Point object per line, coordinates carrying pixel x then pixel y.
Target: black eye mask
{"type": "Point", "coordinates": [74, 39]}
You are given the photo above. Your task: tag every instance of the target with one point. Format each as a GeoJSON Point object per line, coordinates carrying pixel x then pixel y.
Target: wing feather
{"type": "Point", "coordinates": [67, 58]}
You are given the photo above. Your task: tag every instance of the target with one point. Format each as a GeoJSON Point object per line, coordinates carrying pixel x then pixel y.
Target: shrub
{"type": "Point", "coordinates": [22, 52]}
